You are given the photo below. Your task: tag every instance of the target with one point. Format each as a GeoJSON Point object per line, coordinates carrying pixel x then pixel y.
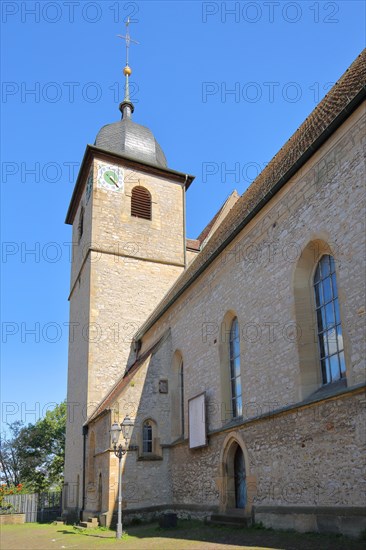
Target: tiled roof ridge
{"type": "Point", "coordinates": [345, 90]}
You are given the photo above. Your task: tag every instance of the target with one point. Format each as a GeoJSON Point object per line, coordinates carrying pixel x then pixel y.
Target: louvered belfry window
{"type": "Point", "coordinates": [141, 203]}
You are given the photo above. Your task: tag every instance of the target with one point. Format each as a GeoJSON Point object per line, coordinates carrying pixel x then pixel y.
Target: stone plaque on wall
{"type": "Point", "coordinates": [197, 421]}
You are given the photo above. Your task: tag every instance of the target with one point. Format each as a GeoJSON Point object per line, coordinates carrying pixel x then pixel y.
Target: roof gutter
{"type": "Point", "coordinates": [331, 128]}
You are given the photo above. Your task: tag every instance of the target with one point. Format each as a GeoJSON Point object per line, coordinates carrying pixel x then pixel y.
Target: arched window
{"type": "Point", "coordinates": [329, 326]}
{"type": "Point", "coordinates": [181, 395]}
{"type": "Point", "coordinates": [147, 441]}
{"type": "Point", "coordinates": [235, 379]}
{"type": "Point", "coordinates": [100, 493]}
{"type": "Point", "coordinates": [81, 223]}
{"type": "Point", "coordinates": [177, 396]}
{"type": "Point", "coordinates": [141, 203]}
{"type": "Point", "coordinates": [91, 460]}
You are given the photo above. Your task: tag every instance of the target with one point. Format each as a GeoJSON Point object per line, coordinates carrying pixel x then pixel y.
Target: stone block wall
{"type": "Point", "coordinates": [311, 455]}
{"type": "Point", "coordinates": [122, 267]}
{"type": "Point", "coordinates": [301, 448]}
{"type": "Point", "coordinates": [254, 278]}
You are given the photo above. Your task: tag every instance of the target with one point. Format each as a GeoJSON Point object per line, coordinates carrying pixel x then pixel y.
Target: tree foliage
{"type": "Point", "coordinates": [34, 454]}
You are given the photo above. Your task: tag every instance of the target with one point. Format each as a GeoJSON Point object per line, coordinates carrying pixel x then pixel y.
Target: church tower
{"type": "Point", "coordinates": [129, 247]}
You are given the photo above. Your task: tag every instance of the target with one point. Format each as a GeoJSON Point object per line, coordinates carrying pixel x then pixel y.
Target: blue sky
{"type": "Point", "coordinates": [221, 84]}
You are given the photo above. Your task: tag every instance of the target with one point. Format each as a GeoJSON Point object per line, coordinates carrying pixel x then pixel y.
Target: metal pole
{"type": "Point", "coordinates": [119, 521]}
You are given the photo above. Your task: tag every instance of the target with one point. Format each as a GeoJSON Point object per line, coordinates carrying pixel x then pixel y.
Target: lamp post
{"type": "Point", "coordinates": [126, 428]}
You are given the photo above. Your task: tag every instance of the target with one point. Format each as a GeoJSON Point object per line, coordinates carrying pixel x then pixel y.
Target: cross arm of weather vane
{"type": "Point", "coordinates": [127, 37]}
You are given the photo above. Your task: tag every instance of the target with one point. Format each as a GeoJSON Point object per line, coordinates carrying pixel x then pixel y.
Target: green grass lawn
{"type": "Point", "coordinates": [189, 535]}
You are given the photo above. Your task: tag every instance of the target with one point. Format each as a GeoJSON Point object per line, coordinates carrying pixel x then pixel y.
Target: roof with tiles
{"type": "Point", "coordinates": [193, 244]}
{"type": "Point", "coordinates": [335, 107]}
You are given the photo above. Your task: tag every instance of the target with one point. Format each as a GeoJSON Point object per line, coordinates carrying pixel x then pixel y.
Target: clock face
{"type": "Point", "coordinates": [110, 177]}
{"type": "Point", "coordinates": [89, 185]}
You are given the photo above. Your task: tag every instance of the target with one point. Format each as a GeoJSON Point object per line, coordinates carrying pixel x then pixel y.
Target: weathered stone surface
{"type": "Point", "coordinates": [122, 267]}
{"type": "Point", "coordinates": [301, 448]}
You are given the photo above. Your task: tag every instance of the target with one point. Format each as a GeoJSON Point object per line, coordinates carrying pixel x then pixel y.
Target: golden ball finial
{"type": "Point", "coordinates": [127, 70]}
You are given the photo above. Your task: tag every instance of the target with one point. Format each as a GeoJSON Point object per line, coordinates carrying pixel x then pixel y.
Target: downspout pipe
{"type": "Point", "coordinates": [184, 222]}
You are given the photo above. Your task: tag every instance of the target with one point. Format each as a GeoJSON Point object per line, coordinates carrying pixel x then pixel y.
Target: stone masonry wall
{"type": "Point", "coordinates": [311, 455]}
{"type": "Point", "coordinates": [137, 261]}
{"type": "Point", "coordinates": [148, 477]}
{"type": "Point", "coordinates": [77, 396]}
{"type": "Point", "coordinates": [254, 278]}
{"type": "Point", "coordinates": [122, 267]}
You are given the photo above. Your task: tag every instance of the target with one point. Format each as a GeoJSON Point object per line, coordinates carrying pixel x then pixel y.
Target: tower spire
{"type": "Point", "coordinates": [126, 107]}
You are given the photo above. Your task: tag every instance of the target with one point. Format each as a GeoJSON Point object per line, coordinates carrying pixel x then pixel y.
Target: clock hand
{"type": "Point", "coordinates": [113, 181]}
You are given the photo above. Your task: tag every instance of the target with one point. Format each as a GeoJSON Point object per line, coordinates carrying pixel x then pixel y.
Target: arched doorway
{"type": "Point", "coordinates": [237, 486]}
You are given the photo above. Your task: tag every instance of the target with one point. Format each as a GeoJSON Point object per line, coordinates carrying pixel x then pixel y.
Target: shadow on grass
{"type": "Point", "coordinates": [97, 533]}
{"type": "Point", "coordinates": [257, 537]}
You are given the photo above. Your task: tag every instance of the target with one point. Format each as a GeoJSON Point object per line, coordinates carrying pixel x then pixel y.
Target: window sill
{"type": "Point", "coordinates": [149, 456]}
{"type": "Point", "coordinates": [328, 389]}
{"type": "Point", "coordinates": [176, 441]}
{"type": "Point", "coordinates": [233, 422]}
{"type": "Point", "coordinates": [139, 218]}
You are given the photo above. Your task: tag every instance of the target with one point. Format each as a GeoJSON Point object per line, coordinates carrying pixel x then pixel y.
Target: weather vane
{"type": "Point", "coordinates": [128, 40]}
{"type": "Point", "coordinates": [126, 107]}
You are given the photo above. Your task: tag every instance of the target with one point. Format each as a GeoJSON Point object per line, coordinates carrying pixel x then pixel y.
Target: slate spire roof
{"type": "Point", "coordinates": [126, 137]}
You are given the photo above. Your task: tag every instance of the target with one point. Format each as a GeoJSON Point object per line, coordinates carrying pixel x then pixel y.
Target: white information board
{"type": "Point", "coordinates": [197, 421]}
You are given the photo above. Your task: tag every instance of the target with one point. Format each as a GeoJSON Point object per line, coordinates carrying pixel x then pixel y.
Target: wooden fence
{"type": "Point", "coordinates": [42, 507]}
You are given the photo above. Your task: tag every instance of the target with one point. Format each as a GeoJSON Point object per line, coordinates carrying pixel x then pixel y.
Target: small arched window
{"type": "Point", "coordinates": [81, 223]}
{"type": "Point", "coordinates": [141, 203]}
{"type": "Point", "coordinates": [235, 378]}
{"type": "Point", "coordinates": [147, 442]}
{"type": "Point", "coordinates": [330, 337]}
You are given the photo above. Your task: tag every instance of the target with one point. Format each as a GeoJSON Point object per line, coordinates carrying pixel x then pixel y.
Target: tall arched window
{"type": "Point", "coordinates": [147, 442]}
{"type": "Point", "coordinates": [141, 203]}
{"type": "Point", "coordinates": [100, 492]}
{"type": "Point", "coordinates": [330, 336]}
{"type": "Point", "coordinates": [235, 379]}
{"type": "Point", "coordinates": [177, 396]}
{"type": "Point", "coordinates": [181, 395]}
{"type": "Point", "coordinates": [91, 459]}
